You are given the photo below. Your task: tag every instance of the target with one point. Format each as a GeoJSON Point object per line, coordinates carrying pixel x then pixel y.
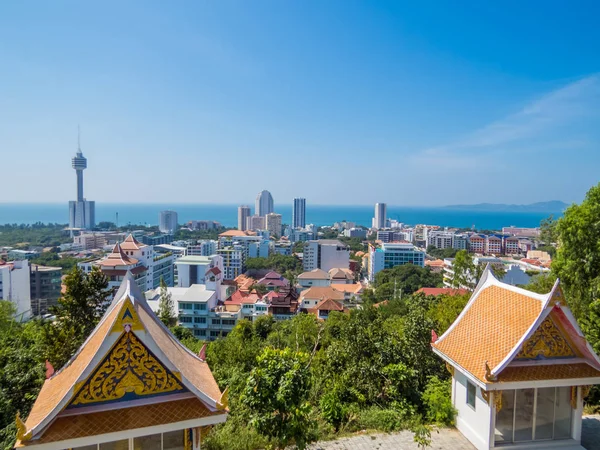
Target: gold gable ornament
{"type": "Point", "coordinates": [127, 319]}
{"type": "Point", "coordinates": [488, 373]}
{"type": "Point", "coordinates": [547, 341]}
{"type": "Point", "coordinates": [22, 433]}
{"type": "Point", "coordinates": [128, 368]}
{"type": "Point", "coordinates": [497, 400]}
{"type": "Point", "coordinates": [224, 400]}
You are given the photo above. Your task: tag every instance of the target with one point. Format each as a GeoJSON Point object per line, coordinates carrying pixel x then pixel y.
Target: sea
{"type": "Point", "coordinates": [320, 215]}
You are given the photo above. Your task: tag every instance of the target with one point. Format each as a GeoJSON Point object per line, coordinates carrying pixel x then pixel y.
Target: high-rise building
{"type": "Point", "coordinates": [254, 223]}
{"type": "Point", "coordinates": [380, 215]}
{"type": "Point", "coordinates": [82, 213]}
{"type": "Point", "coordinates": [45, 288]}
{"type": "Point", "coordinates": [264, 204]}
{"type": "Point", "coordinates": [273, 222]}
{"type": "Point", "coordinates": [243, 214]}
{"type": "Point", "coordinates": [326, 254]}
{"type": "Point", "coordinates": [299, 213]}
{"type": "Point", "coordinates": [167, 222]}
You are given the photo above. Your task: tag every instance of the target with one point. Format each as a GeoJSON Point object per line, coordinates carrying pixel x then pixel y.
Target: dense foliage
{"type": "Point", "coordinates": [24, 347]}
{"type": "Point", "coordinates": [370, 369]}
{"type": "Point", "coordinates": [53, 259]}
{"type": "Point", "coordinates": [288, 266]}
{"type": "Point", "coordinates": [37, 234]}
{"type": "Point", "coordinates": [441, 253]}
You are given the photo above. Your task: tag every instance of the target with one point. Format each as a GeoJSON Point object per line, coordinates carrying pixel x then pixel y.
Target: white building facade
{"type": "Point", "coordinates": [264, 204]}
{"type": "Point", "coordinates": [325, 254]}
{"type": "Point", "coordinates": [167, 222]}
{"type": "Point", "coordinates": [379, 220]}
{"type": "Point", "coordinates": [15, 286]}
{"type": "Point", "coordinates": [393, 254]}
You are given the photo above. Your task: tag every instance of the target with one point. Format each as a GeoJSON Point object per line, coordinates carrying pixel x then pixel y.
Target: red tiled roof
{"type": "Point", "coordinates": [214, 270]}
{"type": "Point", "coordinates": [131, 243]}
{"type": "Point", "coordinates": [118, 258]}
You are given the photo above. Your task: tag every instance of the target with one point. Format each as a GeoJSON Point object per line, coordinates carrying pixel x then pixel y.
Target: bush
{"type": "Point", "coordinates": [438, 401]}
{"type": "Point", "coordinates": [375, 418]}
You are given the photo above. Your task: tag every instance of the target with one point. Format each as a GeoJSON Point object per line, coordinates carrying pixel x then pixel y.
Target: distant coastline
{"type": "Point", "coordinates": [458, 216]}
{"type": "Point", "coordinates": [550, 207]}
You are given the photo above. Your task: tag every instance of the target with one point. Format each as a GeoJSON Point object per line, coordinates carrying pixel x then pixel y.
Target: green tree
{"type": "Point", "coordinates": [438, 402]}
{"type": "Point", "coordinates": [464, 271]}
{"type": "Point", "coordinates": [577, 261]}
{"type": "Point", "coordinates": [21, 373]}
{"type": "Point", "coordinates": [541, 283]}
{"type": "Point", "coordinates": [407, 278]}
{"type": "Point", "coordinates": [77, 312]}
{"type": "Point", "coordinates": [548, 231]}
{"type": "Point", "coordinates": [166, 306]}
{"type": "Point", "coordinates": [276, 397]}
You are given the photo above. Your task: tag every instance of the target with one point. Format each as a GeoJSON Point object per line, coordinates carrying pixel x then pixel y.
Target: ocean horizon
{"type": "Point", "coordinates": [226, 214]}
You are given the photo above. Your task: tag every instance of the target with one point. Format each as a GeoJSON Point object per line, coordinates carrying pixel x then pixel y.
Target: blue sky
{"type": "Point", "coordinates": [341, 102]}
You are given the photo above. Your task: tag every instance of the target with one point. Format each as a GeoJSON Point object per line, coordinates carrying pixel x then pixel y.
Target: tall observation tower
{"type": "Point", "coordinates": [79, 163]}
{"type": "Point", "coordinates": [81, 212]}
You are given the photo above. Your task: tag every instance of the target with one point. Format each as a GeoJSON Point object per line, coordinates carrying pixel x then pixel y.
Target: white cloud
{"type": "Point", "coordinates": [537, 123]}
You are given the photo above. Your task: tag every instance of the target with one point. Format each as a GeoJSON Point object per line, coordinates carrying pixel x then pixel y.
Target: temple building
{"type": "Point", "coordinates": [520, 366]}
{"type": "Point", "coordinates": [131, 385]}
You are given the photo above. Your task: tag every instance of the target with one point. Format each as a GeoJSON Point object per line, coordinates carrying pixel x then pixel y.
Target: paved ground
{"type": "Point", "coordinates": [445, 439]}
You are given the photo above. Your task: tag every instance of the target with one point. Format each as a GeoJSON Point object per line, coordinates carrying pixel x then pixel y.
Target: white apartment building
{"type": "Point", "coordinates": [325, 254]}
{"type": "Point", "coordinates": [301, 235]}
{"type": "Point", "coordinates": [264, 204]}
{"type": "Point", "coordinates": [167, 222]}
{"type": "Point", "coordinates": [255, 222]}
{"type": "Point", "coordinates": [243, 214]}
{"type": "Point", "coordinates": [146, 266]}
{"type": "Point", "coordinates": [273, 224]}
{"type": "Point", "coordinates": [89, 241]}
{"type": "Point", "coordinates": [15, 286]}
{"type": "Point", "coordinates": [235, 246]}
{"type": "Point", "coordinates": [440, 239]}
{"type": "Point", "coordinates": [379, 221]}
{"type": "Point", "coordinates": [393, 254]}
{"type": "Point", "coordinates": [202, 248]}
{"type": "Point", "coordinates": [196, 306]}
{"type": "Point", "coordinates": [193, 269]}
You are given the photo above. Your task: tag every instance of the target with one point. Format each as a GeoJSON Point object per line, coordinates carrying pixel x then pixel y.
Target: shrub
{"type": "Point", "coordinates": [438, 401]}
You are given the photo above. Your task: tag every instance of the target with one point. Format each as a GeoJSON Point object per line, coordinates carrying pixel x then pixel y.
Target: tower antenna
{"type": "Point", "coordinates": [78, 138]}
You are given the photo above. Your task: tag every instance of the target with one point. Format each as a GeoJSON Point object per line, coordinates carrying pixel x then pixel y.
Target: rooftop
{"type": "Point", "coordinates": [501, 324]}
{"type": "Point", "coordinates": [191, 259]}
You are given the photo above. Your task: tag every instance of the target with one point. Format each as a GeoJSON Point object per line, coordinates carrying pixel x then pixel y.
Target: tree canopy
{"type": "Point", "coordinates": [577, 261]}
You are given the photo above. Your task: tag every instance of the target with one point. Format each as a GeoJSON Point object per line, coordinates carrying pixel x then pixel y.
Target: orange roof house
{"type": "Point", "coordinates": [520, 366]}
{"type": "Point", "coordinates": [324, 307]}
{"type": "Point", "coordinates": [131, 382]}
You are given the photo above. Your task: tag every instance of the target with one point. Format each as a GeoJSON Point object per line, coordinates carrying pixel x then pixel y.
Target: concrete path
{"type": "Point", "coordinates": [444, 439]}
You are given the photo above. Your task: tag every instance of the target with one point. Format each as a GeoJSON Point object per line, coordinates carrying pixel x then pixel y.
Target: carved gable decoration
{"type": "Point", "coordinates": [129, 371]}
{"type": "Point", "coordinates": [546, 342]}
{"type": "Point", "coordinates": [127, 317]}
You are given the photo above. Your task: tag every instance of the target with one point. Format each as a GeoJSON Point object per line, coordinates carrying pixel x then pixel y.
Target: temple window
{"type": "Point", "coordinates": [173, 440]}
{"type": "Point", "coordinates": [534, 414]}
{"type": "Point", "coordinates": [471, 394]}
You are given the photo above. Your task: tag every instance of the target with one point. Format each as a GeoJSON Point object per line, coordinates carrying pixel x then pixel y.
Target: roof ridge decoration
{"type": "Point", "coordinates": [127, 319]}
{"type": "Point", "coordinates": [128, 371]}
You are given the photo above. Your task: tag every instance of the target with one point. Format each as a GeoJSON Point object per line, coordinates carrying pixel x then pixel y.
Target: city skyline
{"type": "Point", "coordinates": [437, 91]}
